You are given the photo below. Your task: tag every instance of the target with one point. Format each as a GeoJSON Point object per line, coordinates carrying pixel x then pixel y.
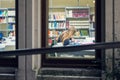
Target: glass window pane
{"type": "Point", "coordinates": [7, 25]}
{"type": "Point", "coordinates": [71, 23]}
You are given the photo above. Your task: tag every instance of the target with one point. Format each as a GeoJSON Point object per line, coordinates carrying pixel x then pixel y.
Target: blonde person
{"type": "Point", "coordinates": [66, 36]}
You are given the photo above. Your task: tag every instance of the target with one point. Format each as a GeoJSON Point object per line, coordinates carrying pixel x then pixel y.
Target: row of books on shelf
{"type": "Point", "coordinates": [57, 25]}
{"type": "Point", "coordinates": [77, 27]}
{"type": "Point", "coordinates": [11, 13]}
{"type": "Point", "coordinates": [7, 27]}
{"type": "Point", "coordinates": [77, 13]}
{"type": "Point", "coordinates": [81, 32]}
{"type": "Point", "coordinates": [11, 20]}
{"type": "Point", "coordinates": [80, 22]}
{"type": "Point", "coordinates": [3, 12]}
{"type": "Point", "coordinates": [77, 24]}
{"type": "Point", "coordinates": [71, 15]}
{"type": "Point", "coordinates": [53, 33]}
{"type": "Point", "coordinates": [92, 19]}
{"type": "Point", "coordinates": [7, 13]}
{"type": "Point", "coordinates": [4, 34]}
{"type": "Point", "coordinates": [57, 15]}
{"type": "Point", "coordinates": [11, 26]}
{"type": "Point", "coordinates": [5, 20]}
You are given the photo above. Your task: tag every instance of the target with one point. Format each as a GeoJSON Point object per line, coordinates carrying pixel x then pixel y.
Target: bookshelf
{"type": "Point", "coordinates": [79, 17]}
{"type": "Point", "coordinates": [92, 25]}
{"type": "Point", "coordinates": [7, 21]}
{"type": "Point", "coordinates": [62, 18]}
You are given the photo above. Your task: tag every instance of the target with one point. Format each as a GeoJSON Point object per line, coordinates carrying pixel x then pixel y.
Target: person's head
{"type": "Point", "coordinates": [68, 34]}
{"type": "Point", "coordinates": [71, 31]}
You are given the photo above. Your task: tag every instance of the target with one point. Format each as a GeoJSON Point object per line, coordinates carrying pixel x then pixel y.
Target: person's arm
{"type": "Point", "coordinates": [59, 39]}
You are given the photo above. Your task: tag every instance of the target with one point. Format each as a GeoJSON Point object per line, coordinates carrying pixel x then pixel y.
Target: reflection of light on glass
{"type": "Point", "coordinates": [93, 1]}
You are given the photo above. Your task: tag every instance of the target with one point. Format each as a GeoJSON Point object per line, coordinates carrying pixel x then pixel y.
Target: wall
{"type": "Point", "coordinates": [36, 40]}
{"type": "Point", "coordinates": [21, 41]}
{"type": "Point", "coordinates": [112, 30]}
{"type": "Point", "coordinates": [70, 3]}
{"type": "Point", "coordinates": [7, 3]}
{"type": "Point", "coordinates": [29, 30]}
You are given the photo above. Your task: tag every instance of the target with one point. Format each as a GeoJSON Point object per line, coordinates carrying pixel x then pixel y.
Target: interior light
{"type": "Point", "coordinates": [93, 1]}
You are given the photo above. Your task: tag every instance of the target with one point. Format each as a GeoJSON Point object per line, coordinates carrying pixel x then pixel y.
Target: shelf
{"type": "Point", "coordinates": [57, 16]}
{"type": "Point", "coordinates": [10, 29]}
{"type": "Point", "coordinates": [77, 7]}
{"type": "Point", "coordinates": [11, 15]}
{"type": "Point", "coordinates": [3, 22]}
{"type": "Point", "coordinates": [57, 20]}
{"type": "Point", "coordinates": [92, 29]}
{"type": "Point", "coordinates": [6, 30]}
{"type": "Point", "coordinates": [85, 21]}
{"type": "Point", "coordinates": [57, 7]}
{"type": "Point", "coordinates": [11, 22]}
{"type": "Point", "coordinates": [2, 16]}
{"type": "Point", "coordinates": [57, 28]}
{"type": "Point", "coordinates": [11, 8]}
{"type": "Point", "coordinates": [7, 20]}
{"type": "Point", "coordinates": [82, 27]}
{"type": "Point", "coordinates": [79, 17]}
{"type": "Point", "coordinates": [80, 24]}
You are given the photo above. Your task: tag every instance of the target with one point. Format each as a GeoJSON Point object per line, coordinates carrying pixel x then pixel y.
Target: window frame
{"type": "Point", "coordinates": [12, 61]}
{"type": "Point", "coordinates": [76, 63]}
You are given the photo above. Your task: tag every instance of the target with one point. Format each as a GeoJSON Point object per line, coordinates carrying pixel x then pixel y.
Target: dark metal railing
{"type": "Point", "coordinates": [104, 45]}
{"type": "Point", "coordinates": [19, 52]}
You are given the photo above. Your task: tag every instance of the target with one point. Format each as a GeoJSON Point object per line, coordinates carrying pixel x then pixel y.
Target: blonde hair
{"type": "Point", "coordinates": [68, 34]}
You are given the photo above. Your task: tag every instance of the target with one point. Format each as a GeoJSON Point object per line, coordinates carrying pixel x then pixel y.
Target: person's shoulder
{"type": "Point", "coordinates": [66, 42]}
{"type": "Point", "coordinates": [64, 31]}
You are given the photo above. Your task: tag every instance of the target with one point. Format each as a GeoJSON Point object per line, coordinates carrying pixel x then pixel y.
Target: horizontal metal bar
{"type": "Point", "coordinates": [74, 77]}
{"type": "Point", "coordinates": [105, 45]}
{"type": "Point", "coordinates": [10, 75]}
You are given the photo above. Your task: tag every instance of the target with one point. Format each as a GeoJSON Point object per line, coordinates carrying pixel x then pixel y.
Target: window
{"type": "Point", "coordinates": [8, 30]}
{"type": "Point", "coordinates": [84, 16]}
{"type": "Point", "coordinates": [7, 25]}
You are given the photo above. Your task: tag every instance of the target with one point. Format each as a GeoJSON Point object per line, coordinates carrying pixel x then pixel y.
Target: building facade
{"type": "Point", "coordinates": [30, 29]}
